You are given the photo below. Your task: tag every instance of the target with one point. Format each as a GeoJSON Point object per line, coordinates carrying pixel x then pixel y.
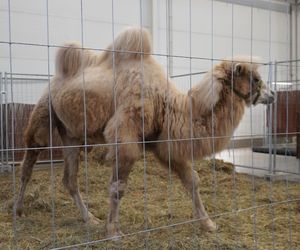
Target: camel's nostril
{"type": "Point", "coordinates": [271, 99]}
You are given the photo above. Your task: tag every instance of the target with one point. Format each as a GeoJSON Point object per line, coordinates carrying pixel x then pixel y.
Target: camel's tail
{"type": "Point", "coordinates": [129, 44]}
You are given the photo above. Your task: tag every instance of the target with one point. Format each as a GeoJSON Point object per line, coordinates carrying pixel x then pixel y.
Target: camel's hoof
{"type": "Point", "coordinates": [93, 220]}
{"type": "Point", "coordinates": [208, 225]}
{"type": "Point", "coordinates": [113, 232]}
{"type": "Point", "coordinates": [19, 212]}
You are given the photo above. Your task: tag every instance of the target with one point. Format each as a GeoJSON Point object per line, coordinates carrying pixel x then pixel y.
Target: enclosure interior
{"type": "Point", "coordinates": [261, 187]}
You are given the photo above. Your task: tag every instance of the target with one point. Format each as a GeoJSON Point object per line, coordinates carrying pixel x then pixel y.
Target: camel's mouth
{"type": "Point", "coordinates": [264, 96]}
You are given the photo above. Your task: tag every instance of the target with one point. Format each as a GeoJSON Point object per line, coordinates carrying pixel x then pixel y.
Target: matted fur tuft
{"type": "Point", "coordinates": [206, 93]}
{"type": "Point", "coordinates": [130, 44]}
{"type": "Point", "coordinates": [69, 59]}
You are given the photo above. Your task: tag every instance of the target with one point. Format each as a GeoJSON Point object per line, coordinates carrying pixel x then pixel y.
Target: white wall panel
{"type": "Point", "coordinates": [214, 33]}
{"type": "Point", "coordinates": [220, 30]}
{"type": "Point", "coordinates": [28, 28]}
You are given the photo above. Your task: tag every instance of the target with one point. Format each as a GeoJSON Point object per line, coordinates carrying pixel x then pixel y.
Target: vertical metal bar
{"type": "Point", "coordinates": [270, 137]}
{"type": "Point", "coordinates": [6, 119]}
{"type": "Point", "coordinates": [191, 117]}
{"type": "Point", "coordinates": [296, 44]}
{"type": "Point", "coordinates": [143, 129]}
{"type": "Point", "coordinates": [234, 186]}
{"type": "Point", "coordinates": [291, 57]}
{"type": "Point", "coordinates": [270, 82]}
{"type": "Point", "coordinates": [169, 60]}
{"type": "Point", "coordinates": [169, 10]}
{"type": "Point", "coordinates": [52, 172]}
{"type": "Point", "coordinates": [1, 124]}
{"type": "Point", "coordinates": [275, 122]}
{"type": "Point", "coordinates": [214, 199]}
{"type": "Point", "coordinates": [297, 7]}
{"type": "Point", "coordinates": [85, 121]}
{"type": "Point", "coordinates": [251, 132]}
{"type": "Point", "coordinates": [289, 76]}
{"type": "Point", "coordinates": [12, 125]}
{"type": "Point", "coordinates": [115, 106]}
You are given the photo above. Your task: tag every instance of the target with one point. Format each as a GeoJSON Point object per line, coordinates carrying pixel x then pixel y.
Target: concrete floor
{"type": "Point", "coordinates": [259, 164]}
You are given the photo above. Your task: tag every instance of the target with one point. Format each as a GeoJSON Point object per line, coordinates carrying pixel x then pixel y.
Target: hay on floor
{"type": "Point", "coordinates": [227, 195]}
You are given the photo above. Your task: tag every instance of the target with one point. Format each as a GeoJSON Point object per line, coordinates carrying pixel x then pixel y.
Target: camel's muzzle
{"type": "Point", "coordinates": [265, 95]}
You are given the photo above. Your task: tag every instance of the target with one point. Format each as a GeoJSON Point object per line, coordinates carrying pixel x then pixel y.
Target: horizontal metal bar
{"type": "Point", "coordinates": [288, 61]}
{"type": "Point", "coordinates": [261, 4]}
{"type": "Point", "coordinates": [265, 169]}
{"type": "Point", "coordinates": [189, 74]}
{"type": "Point", "coordinates": [143, 142]}
{"type": "Point", "coordinates": [28, 74]}
{"type": "Point", "coordinates": [215, 59]}
{"type": "Point", "coordinates": [35, 80]}
{"type": "Point", "coordinates": [154, 229]}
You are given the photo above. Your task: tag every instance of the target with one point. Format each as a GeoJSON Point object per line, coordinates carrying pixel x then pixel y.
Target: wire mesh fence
{"type": "Point", "coordinates": [153, 118]}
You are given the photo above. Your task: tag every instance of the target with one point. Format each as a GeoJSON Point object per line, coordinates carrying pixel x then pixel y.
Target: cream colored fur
{"type": "Point", "coordinates": [120, 98]}
{"type": "Point", "coordinates": [72, 58]}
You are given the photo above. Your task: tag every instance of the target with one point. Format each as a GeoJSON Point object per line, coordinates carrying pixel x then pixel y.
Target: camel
{"type": "Point", "coordinates": [122, 97]}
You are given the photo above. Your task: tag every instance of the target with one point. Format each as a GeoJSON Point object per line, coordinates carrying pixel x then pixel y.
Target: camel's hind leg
{"type": "Point", "coordinates": [191, 181]}
{"type": "Point", "coordinates": [36, 135]}
{"type": "Point", "coordinates": [29, 160]}
{"type": "Point", "coordinates": [71, 158]}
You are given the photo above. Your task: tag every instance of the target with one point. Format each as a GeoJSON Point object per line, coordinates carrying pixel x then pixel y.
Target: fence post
{"type": "Point", "coordinates": [1, 124]}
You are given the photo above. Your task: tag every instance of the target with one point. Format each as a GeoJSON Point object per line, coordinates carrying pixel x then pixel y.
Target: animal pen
{"type": "Point", "coordinates": [249, 185]}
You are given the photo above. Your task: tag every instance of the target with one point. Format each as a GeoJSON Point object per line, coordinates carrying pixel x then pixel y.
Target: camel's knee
{"type": "Point", "coordinates": [25, 176]}
{"type": "Point", "coordinates": [26, 172]}
{"type": "Point", "coordinates": [69, 180]}
{"type": "Point", "coordinates": [71, 187]}
{"type": "Point", "coordinates": [128, 154]}
{"type": "Point", "coordinates": [30, 158]}
{"type": "Point", "coordinates": [37, 133]}
{"type": "Point", "coordinates": [190, 180]}
{"type": "Point", "coordinates": [125, 152]}
{"type": "Point", "coordinates": [117, 189]}
{"type": "Point", "coordinates": [70, 184]}
{"type": "Point", "coordinates": [65, 181]}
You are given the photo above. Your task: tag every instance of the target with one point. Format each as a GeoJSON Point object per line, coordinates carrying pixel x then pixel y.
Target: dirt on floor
{"type": "Point", "coordinates": [250, 212]}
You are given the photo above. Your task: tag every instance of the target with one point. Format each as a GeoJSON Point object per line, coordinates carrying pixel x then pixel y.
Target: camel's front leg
{"type": "Point", "coordinates": [123, 156]}
{"type": "Point", "coordinates": [126, 155]}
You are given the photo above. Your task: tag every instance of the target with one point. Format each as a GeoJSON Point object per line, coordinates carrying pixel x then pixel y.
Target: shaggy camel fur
{"type": "Point", "coordinates": [123, 98]}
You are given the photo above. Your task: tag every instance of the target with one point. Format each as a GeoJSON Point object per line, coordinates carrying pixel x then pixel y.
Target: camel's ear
{"type": "Point", "coordinates": [239, 69]}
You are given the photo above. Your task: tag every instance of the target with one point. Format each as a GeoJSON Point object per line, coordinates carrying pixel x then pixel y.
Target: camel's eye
{"type": "Point", "coordinates": [256, 79]}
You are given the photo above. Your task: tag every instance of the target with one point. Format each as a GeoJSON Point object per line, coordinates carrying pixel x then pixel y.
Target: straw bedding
{"type": "Point", "coordinates": [227, 195]}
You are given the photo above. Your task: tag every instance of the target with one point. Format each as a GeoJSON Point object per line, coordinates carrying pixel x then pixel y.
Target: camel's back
{"type": "Point", "coordinates": [84, 99]}
{"type": "Point", "coordinates": [92, 97]}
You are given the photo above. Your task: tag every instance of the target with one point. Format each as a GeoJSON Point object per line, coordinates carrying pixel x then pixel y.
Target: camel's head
{"type": "Point", "coordinates": [248, 85]}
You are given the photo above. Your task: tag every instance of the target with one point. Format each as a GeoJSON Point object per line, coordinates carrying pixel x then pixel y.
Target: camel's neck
{"type": "Point", "coordinates": [219, 123]}
{"type": "Point", "coordinates": [212, 129]}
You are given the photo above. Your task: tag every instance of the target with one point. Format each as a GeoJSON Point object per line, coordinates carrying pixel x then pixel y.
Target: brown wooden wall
{"type": "Point", "coordinates": [21, 113]}
{"type": "Point", "coordinates": [288, 115]}
{"type": "Point", "coordinates": [288, 103]}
